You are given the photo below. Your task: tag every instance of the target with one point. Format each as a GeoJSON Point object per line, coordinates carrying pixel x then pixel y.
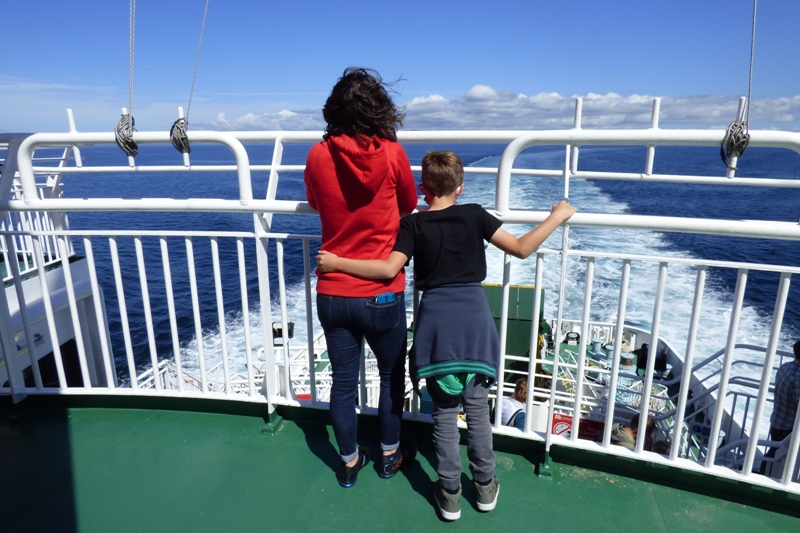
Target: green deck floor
{"type": "Point", "coordinates": [117, 470]}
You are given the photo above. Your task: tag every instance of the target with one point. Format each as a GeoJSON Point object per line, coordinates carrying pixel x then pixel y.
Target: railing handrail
{"type": "Point", "coordinates": [246, 202]}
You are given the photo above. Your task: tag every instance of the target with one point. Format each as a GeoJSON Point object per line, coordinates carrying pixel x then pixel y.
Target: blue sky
{"type": "Point", "coordinates": [464, 65]}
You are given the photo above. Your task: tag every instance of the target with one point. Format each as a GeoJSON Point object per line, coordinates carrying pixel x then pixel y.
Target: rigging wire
{"type": "Point", "coordinates": [737, 137]}
{"type": "Point", "coordinates": [124, 129]}
{"type": "Point", "coordinates": [177, 133]}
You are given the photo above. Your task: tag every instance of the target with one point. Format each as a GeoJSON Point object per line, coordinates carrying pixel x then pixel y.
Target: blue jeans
{"type": "Point", "coordinates": [346, 323]}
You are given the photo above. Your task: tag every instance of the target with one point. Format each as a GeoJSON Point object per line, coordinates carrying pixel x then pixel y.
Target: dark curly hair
{"type": "Point", "coordinates": [360, 104]}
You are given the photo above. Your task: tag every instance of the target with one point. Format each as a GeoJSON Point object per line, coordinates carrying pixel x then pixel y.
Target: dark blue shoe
{"type": "Point", "coordinates": [348, 475]}
{"type": "Point", "coordinates": [391, 464]}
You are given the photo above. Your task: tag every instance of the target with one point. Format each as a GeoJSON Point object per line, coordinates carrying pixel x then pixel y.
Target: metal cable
{"type": "Point", "coordinates": [131, 41]}
{"type": "Point", "coordinates": [177, 133]}
{"type": "Point", "coordinates": [124, 129]}
{"type": "Point", "coordinates": [197, 60]}
{"type": "Point", "coordinates": [752, 55]}
{"type": "Point", "coordinates": [737, 137]}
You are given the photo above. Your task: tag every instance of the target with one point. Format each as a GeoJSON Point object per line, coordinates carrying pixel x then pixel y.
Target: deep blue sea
{"type": "Point", "coordinates": [601, 196]}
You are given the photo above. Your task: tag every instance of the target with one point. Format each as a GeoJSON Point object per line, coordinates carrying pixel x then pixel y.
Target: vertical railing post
{"type": "Point", "coordinates": [644, 407]}
{"type": "Point", "coordinates": [8, 341]}
{"type": "Point", "coordinates": [722, 391]}
{"type": "Point", "coordinates": [274, 176]}
{"type": "Point", "coordinates": [503, 336]}
{"type": "Point", "coordinates": [123, 311]}
{"type": "Point", "coordinates": [622, 307]}
{"type": "Point", "coordinates": [312, 367]}
{"type": "Point", "coordinates": [585, 316]}
{"type": "Point", "coordinates": [33, 356]}
{"type": "Point", "coordinates": [49, 313]}
{"type": "Point", "coordinates": [148, 317]}
{"type": "Point", "coordinates": [269, 385]}
{"type": "Point", "coordinates": [223, 335]}
{"type": "Point", "coordinates": [286, 381]}
{"type": "Point", "coordinates": [688, 363]}
{"type": "Point", "coordinates": [248, 343]}
{"type": "Point", "coordinates": [198, 328]}
{"type": "Point", "coordinates": [100, 317]}
{"type": "Point", "coordinates": [564, 257]}
{"type": "Point", "coordinates": [735, 159]}
{"type": "Point", "coordinates": [576, 125]}
{"type": "Point", "coordinates": [77, 323]}
{"type": "Point", "coordinates": [766, 371]}
{"type": "Point", "coordinates": [173, 326]}
{"type": "Point", "coordinates": [534, 357]}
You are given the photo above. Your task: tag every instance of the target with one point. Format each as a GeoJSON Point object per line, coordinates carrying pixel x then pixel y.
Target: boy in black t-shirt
{"type": "Point", "coordinates": [458, 358]}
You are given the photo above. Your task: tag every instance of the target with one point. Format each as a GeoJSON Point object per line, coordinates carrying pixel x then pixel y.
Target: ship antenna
{"type": "Point", "coordinates": [177, 133]}
{"type": "Point", "coordinates": [737, 137]}
{"type": "Point", "coordinates": [124, 129]}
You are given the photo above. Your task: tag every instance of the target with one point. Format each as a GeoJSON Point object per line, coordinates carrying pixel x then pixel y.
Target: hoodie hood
{"type": "Point", "coordinates": [360, 162]}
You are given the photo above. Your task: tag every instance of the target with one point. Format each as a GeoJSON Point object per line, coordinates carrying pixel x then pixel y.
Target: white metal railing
{"type": "Point", "coordinates": [148, 265]}
{"type": "Point", "coordinates": [18, 253]}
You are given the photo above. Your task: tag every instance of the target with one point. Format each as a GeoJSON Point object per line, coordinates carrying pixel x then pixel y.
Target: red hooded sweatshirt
{"type": "Point", "coordinates": [360, 189]}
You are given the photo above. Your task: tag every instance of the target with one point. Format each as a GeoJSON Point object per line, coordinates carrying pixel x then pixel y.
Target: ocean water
{"type": "Point", "coordinates": [600, 196]}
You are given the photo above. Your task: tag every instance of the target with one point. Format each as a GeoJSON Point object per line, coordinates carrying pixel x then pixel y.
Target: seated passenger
{"type": "Point", "coordinates": [514, 407]}
{"type": "Point", "coordinates": [625, 436]}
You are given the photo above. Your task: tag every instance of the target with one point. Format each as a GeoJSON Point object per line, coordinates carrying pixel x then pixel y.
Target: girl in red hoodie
{"type": "Point", "coordinates": [359, 179]}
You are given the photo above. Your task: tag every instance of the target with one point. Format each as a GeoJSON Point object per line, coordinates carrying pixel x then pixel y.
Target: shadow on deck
{"type": "Point", "coordinates": [122, 464]}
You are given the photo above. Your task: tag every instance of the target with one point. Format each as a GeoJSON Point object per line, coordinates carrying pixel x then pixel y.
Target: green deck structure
{"type": "Point", "coordinates": [126, 468]}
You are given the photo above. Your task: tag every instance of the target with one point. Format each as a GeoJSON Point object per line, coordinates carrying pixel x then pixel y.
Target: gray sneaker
{"type": "Point", "coordinates": [449, 505]}
{"type": "Point", "coordinates": [487, 495]}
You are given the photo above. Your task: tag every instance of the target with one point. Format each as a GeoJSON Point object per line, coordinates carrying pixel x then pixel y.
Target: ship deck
{"type": "Point", "coordinates": [143, 469]}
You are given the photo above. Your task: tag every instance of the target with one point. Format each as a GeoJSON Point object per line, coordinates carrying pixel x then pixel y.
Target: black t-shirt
{"type": "Point", "coordinates": [447, 245]}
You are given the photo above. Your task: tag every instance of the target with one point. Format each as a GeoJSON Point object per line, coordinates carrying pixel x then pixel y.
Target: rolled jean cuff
{"type": "Point", "coordinates": [348, 458]}
{"type": "Point", "coordinates": [387, 447]}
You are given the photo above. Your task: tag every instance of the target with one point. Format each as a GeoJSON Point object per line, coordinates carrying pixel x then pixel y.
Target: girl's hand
{"type": "Point", "coordinates": [326, 261]}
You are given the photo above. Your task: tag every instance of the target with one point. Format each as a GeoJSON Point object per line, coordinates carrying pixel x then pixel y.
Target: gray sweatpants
{"type": "Point", "coordinates": [474, 400]}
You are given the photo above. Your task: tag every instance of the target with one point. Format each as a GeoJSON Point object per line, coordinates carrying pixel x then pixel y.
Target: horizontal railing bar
{"type": "Point", "coordinates": [739, 228]}
{"type": "Point", "coordinates": [764, 229]}
{"type": "Point", "coordinates": [157, 233]}
{"type": "Point", "coordinates": [652, 137]}
{"type": "Point", "coordinates": [179, 167]}
{"type": "Point", "coordinates": [30, 144]}
{"type": "Point", "coordinates": [680, 178]}
{"type": "Point", "coordinates": [160, 204]}
{"type": "Point", "coordinates": [575, 137]}
{"type": "Point", "coordinates": [557, 174]}
{"type": "Point", "coordinates": [678, 260]}
{"type": "Point", "coordinates": [161, 168]}
{"type": "Point", "coordinates": [671, 260]}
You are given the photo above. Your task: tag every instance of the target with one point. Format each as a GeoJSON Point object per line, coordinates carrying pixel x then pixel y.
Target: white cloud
{"type": "Point", "coordinates": [41, 106]}
{"type": "Point", "coordinates": [430, 99]}
{"type": "Point", "coordinates": [284, 120]}
{"type": "Point", "coordinates": [483, 107]}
